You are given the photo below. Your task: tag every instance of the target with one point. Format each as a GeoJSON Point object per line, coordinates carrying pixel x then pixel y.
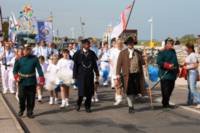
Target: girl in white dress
{"type": "Point", "coordinates": [51, 80]}
{"type": "Point", "coordinates": [65, 72]}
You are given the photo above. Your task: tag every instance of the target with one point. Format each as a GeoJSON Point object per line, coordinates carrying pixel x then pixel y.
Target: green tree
{"type": "Point", "coordinates": [190, 38]}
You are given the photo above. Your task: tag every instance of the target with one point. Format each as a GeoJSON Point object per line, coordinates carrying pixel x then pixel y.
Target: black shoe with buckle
{"type": "Point", "coordinates": [78, 108]}
{"type": "Point", "coordinates": [131, 110]}
{"type": "Point", "coordinates": [30, 115]}
{"type": "Point", "coordinates": [20, 113]}
{"type": "Point", "coordinates": [88, 110]}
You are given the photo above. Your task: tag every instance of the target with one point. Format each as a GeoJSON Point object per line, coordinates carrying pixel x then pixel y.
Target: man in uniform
{"type": "Point", "coordinates": [85, 64]}
{"type": "Point", "coordinates": [25, 74]}
{"type": "Point", "coordinates": [130, 61]}
{"type": "Point", "coordinates": [168, 70]}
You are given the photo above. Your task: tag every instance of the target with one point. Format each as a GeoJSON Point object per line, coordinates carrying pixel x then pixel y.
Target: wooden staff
{"type": "Point", "coordinates": [149, 83]}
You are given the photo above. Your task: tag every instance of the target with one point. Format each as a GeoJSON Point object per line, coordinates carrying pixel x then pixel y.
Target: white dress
{"type": "Point", "coordinates": [51, 77]}
{"type": "Point", "coordinates": [65, 71]}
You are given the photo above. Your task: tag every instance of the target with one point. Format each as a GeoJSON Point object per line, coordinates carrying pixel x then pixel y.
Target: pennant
{"type": "Point", "coordinates": [118, 29]}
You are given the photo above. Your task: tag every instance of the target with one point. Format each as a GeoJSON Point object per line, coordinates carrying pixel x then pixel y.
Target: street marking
{"type": "Point", "coordinates": [183, 107]}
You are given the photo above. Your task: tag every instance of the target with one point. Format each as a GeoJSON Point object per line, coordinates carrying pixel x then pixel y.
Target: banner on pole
{"type": "Point", "coordinates": [45, 31]}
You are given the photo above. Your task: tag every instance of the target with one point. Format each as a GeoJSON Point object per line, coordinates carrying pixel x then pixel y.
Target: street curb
{"type": "Point", "coordinates": [190, 109]}
{"type": "Point", "coordinates": [18, 126]}
{"type": "Point", "coordinates": [183, 107]}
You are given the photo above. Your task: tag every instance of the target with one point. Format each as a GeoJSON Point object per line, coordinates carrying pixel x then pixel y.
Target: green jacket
{"type": "Point", "coordinates": [168, 56]}
{"type": "Point", "coordinates": [28, 65]}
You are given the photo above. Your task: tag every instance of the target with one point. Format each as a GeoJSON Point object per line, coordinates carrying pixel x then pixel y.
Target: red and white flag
{"type": "Point", "coordinates": [118, 29]}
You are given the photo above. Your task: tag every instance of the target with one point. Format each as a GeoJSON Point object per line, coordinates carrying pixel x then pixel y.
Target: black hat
{"type": "Point", "coordinates": [85, 41]}
{"type": "Point", "coordinates": [129, 40]}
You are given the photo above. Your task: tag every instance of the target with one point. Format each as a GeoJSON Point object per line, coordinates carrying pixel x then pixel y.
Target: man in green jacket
{"type": "Point", "coordinates": [168, 70]}
{"type": "Point", "coordinates": [25, 74]}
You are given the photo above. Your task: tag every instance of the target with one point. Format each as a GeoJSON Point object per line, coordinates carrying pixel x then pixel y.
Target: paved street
{"type": "Point", "coordinates": [106, 118]}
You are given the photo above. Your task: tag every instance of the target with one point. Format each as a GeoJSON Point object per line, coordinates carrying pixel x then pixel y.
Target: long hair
{"type": "Point", "coordinates": [190, 46]}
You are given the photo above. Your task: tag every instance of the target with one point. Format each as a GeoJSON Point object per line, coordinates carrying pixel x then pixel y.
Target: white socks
{"type": "Point", "coordinates": [130, 99]}
{"type": "Point", "coordinates": [118, 100]}
{"type": "Point", "coordinates": [65, 103]}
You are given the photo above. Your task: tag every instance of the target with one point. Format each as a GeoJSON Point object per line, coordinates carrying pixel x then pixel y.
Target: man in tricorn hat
{"type": "Point", "coordinates": [85, 65]}
{"type": "Point", "coordinates": [25, 74]}
{"type": "Point", "coordinates": [130, 63]}
{"type": "Point", "coordinates": [168, 70]}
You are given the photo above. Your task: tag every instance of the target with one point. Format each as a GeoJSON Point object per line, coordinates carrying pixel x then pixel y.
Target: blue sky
{"type": "Point", "coordinates": [172, 18]}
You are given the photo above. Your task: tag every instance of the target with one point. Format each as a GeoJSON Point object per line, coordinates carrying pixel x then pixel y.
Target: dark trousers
{"type": "Point", "coordinates": [134, 84]}
{"type": "Point", "coordinates": [87, 101]}
{"type": "Point", "coordinates": [27, 98]}
{"type": "Point", "coordinates": [167, 86]}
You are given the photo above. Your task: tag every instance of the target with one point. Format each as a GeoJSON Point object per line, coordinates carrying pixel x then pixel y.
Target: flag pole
{"type": "Point", "coordinates": [130, 14]}
{"type": "Point", "coordinates": [1, 26]}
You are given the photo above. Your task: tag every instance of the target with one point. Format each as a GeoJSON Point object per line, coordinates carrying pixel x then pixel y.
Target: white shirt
{"type": "Point", "coordinates": [52, 51]}
{"type": "Point", "coordinates": [8, 55]}
{"type": "Point", "coordinates": [105, 55]}
{"type": "Point", "coordinates": [130, 53]}
{"type": "Point", "coordinates": [44, 67]}
{"type": "Point", "coordinates": [114, 53]}
{"type": "Point", "coordinates": [72, 52]}
{"type": "Point", "coordinates": [190, 60]}
{"type": "Point", "coordinates": [43, 51]}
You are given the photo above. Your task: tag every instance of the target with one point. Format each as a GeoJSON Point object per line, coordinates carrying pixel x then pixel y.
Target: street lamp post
{"type": "Point", "coordinates": [151, 33]}
{"type": "Point", "coordinates": [82, 27]}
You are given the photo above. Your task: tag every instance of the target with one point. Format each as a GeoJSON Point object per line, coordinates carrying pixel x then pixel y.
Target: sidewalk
{"type": "Point", "coordinates": [179, 96]}
{"type": "Point", "coordinates": [8, 122]}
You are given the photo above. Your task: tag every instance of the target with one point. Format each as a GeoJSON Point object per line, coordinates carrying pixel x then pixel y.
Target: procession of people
{"type": "Point", "coordinates": [28, 71]}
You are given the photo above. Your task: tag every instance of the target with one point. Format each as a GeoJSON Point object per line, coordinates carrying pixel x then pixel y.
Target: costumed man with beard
{"type": "Point", "coordinates": [130, 63]}
{"type": "Point", "coordinates": [168, 70]}
{"type": "Point", "coordinates": [25, 74]}
{"type": "Point", "coordinates": [85, 65]}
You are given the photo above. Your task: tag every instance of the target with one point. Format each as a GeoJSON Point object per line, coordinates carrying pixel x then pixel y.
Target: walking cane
{"type": "Point", "coordinates": [150, 88]}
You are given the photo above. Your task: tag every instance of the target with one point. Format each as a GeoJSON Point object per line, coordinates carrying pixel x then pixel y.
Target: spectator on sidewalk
{"type": "Point", "coordinates": [191, 65]}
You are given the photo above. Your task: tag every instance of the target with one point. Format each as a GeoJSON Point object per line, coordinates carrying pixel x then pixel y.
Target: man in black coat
{"type": "Point", "coordinates": [85, 65]}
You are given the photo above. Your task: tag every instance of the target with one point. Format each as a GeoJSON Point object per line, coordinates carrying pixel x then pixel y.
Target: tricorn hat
{"type": "Point", "coordinates": [129, 40]}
